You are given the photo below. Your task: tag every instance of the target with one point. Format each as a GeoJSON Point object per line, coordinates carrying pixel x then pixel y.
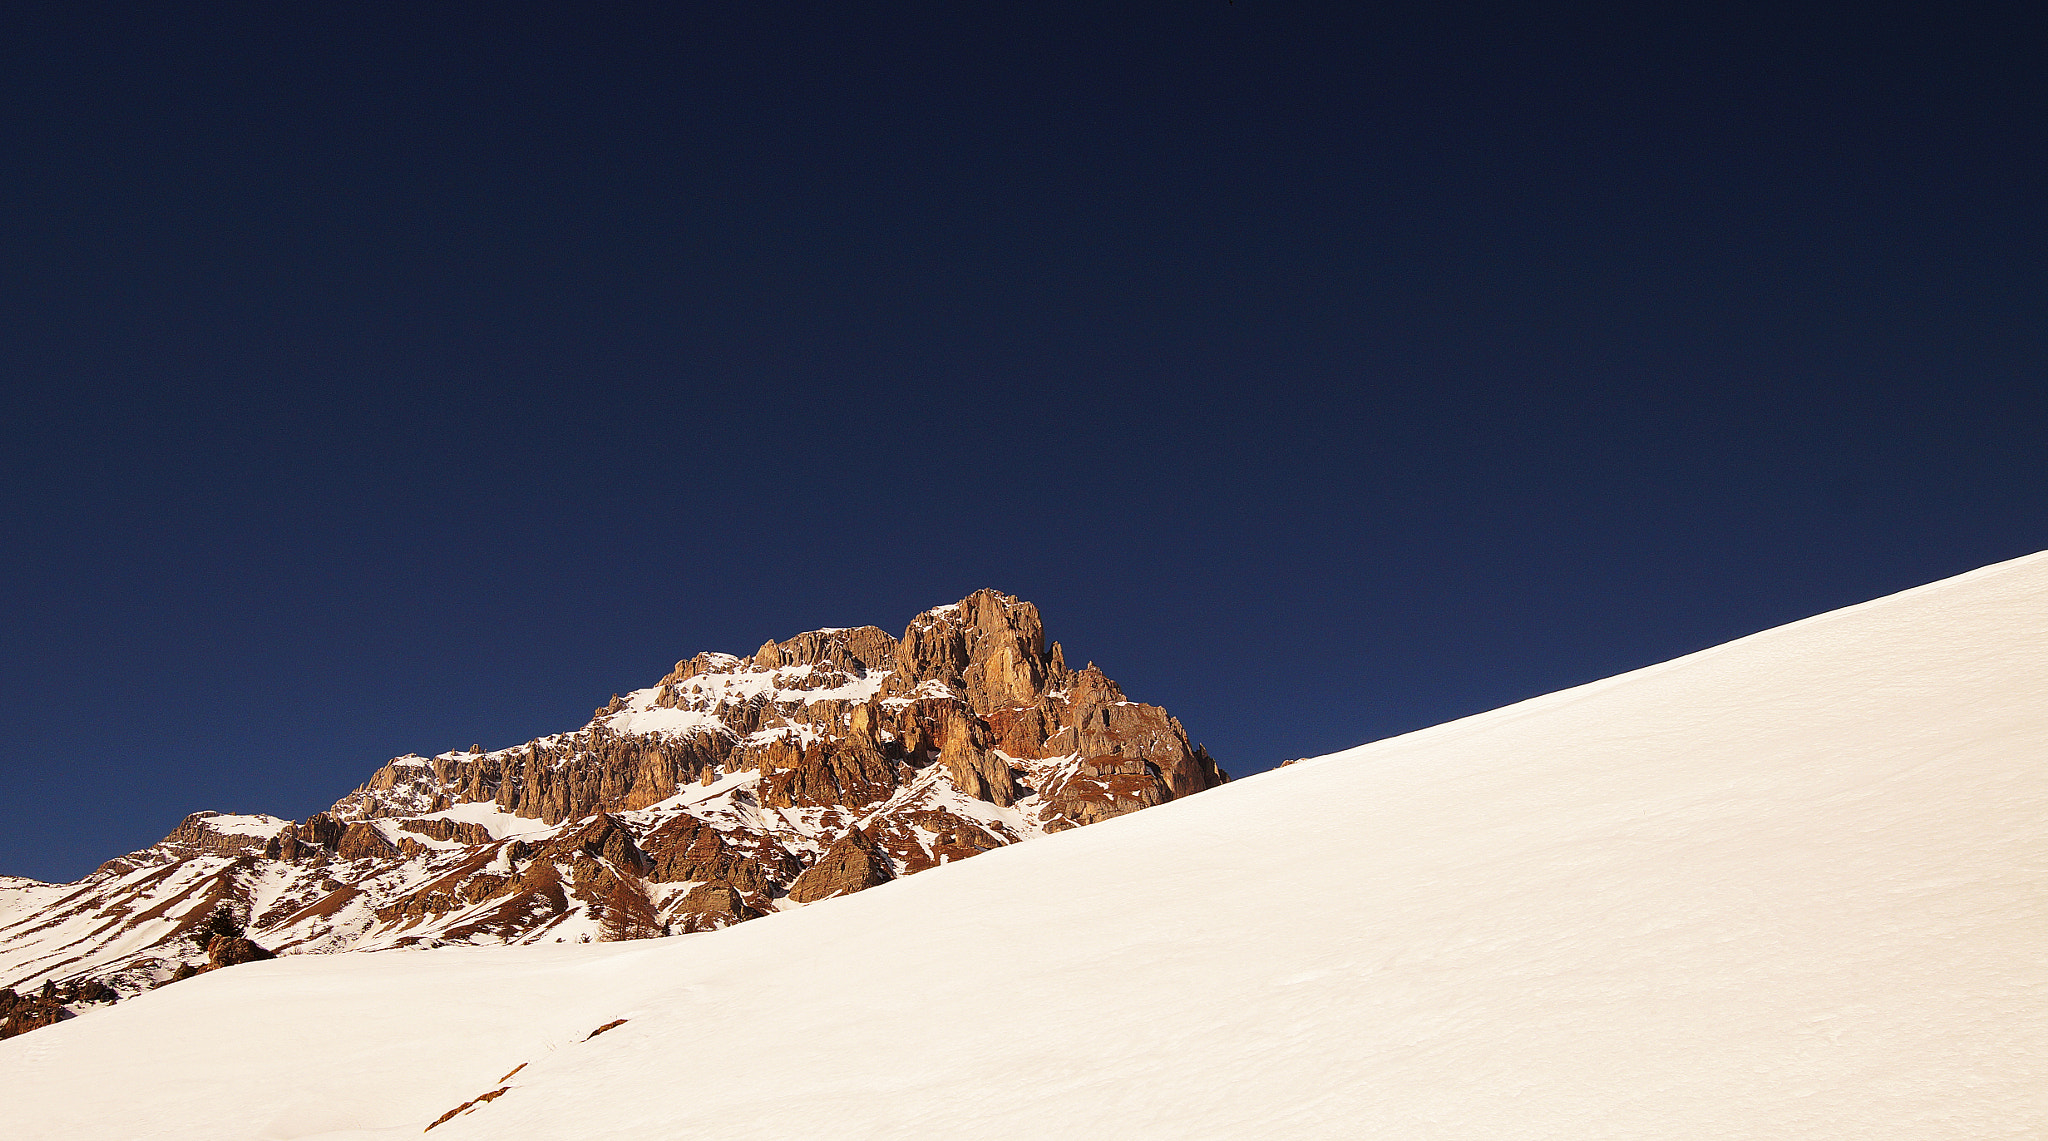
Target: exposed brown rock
{"type": "Point", "coordinates": [852, 864]}
{"type": "Point", "coordinates": [231, 951]}
{"type": "Point", "coordinates": [321, 830]}
{"type": "Point", "coordinates": [852, 773]}
{"type": "Point", "coordinates": [480, 1099]}
{"type": "Point", "coordinates": [1003, 695]}
{"type": "Point", "coordinates": [925, 838]}
{"type": "Point", "coordinates": [603, 837]}
{"type": "Point", "coordinates": [687, 848]}
{"type": "Point", "coordinates": [283, 846]}
{"type": "Point", "coordinates": [975, 771]}
{"type": "Point", "coordinates": [20, 1014]}
{"type": "Point", "coordinates": [362, 841]}
{"type": "Point", "coordinates": [710, 906]}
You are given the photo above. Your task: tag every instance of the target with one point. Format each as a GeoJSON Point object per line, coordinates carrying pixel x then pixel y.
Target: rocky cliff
{"type": "Point", "coordinates": [733, 787]}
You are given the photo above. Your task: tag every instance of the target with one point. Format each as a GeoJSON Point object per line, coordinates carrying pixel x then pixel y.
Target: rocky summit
{"type": "Point", "coordinates": [731, 788]}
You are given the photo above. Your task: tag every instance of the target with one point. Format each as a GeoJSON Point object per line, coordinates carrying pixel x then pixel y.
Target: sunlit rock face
{"type": "Point", "coordinates": [733, 787]}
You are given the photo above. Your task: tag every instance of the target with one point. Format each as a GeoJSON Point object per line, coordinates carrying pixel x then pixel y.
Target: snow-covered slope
{"type": "Point", "coordinates": [1791, 887]}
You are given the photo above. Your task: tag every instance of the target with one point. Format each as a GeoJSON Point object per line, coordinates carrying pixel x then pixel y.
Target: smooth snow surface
{"type": "Point", "coordinates": [1792, 887]}
{"type": "Point", "coordinates": [260, 827]}
{"type": "Point", "coordinates": [501, 825]}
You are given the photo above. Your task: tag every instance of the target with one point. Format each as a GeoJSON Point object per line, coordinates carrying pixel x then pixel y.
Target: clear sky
{"type": "Point", "coordinates": [377, 379]}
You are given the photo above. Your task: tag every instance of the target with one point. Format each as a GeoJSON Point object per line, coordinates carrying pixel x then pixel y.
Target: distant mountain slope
{"type": "Point", "coordinates": [1791, 887]}
{"type": "Point", "coordinates": [731, 788]}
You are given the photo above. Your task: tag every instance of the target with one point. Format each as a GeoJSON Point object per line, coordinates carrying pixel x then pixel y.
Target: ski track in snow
{"type": "Point", "coordinates": [1787, 888]}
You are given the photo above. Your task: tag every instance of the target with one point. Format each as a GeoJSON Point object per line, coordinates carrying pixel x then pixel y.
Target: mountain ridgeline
{"type": "Point", "coordinates": [733, 787]}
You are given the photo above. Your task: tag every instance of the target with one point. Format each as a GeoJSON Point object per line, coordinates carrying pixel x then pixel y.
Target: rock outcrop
{"type": "Point", "coordinates": [51, 1004]}
{"type": "Point", "coordinates": [362, 840]}
{"type": "Point", "coordinates": [710, 906]}
{"type": "Point", "coordinates": [734, 786]}
{"type": "Point", "coordinates": [233, 950]}
{"type": "Point", "coordinates": [851, 864]}
{"type": "Point", "coordinates": [20, 1014]}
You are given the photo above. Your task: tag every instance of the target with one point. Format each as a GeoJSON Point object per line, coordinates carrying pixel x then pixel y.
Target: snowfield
{"type": "Point", "coordinates": [1791, 887]}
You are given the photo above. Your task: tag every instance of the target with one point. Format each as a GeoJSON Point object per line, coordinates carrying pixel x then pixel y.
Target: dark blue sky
{"type": "Point", "coordinates": [381, 380]}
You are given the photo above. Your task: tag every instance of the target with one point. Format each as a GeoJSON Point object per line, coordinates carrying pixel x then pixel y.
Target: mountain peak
{"type": "Point", "coordinates": [732, 787]}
